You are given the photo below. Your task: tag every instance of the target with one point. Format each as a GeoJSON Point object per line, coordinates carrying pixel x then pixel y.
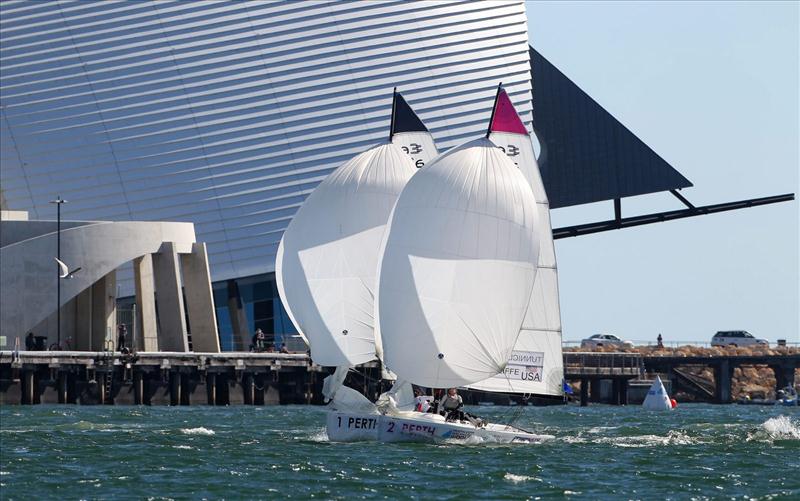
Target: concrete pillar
{"type": "Point", "coordinates": [723, 374]}
{"type": "Point", "coordinates": [211, 388]}
{"type": "Point", "coordinates": [200, 300]}
{"type": "Point", "coordinates": [63, 378]}
{"type": "Point", "coordinates": [248, 389]}
{"type": "Point", "coordinates": [596, 391]}
{"type": "Point", "coordinates": [784, 376]}
{"type": "Point", "coordinates": [138, 388]}
{"type": "Point", "coordinates": [28, 387]}
{"type": "Point", "coordinates": [171, 316]}
{"type": "Point", "coordinates": [83, 321]}
{"type": "Point", "coordinates": [584, 392]}
{"type": "Point", "coordinates": [623, 392]}
{"type": "Point", "coordinates": [147, 327]}
{"type": "Point", "coordinates": [175, 388]}
{"type": "Point", "coordinates": [104, 312]}
{"type": "Point", "coordinates": [615, 392]}
{"type": "Point", "coordinates": [241, 329]}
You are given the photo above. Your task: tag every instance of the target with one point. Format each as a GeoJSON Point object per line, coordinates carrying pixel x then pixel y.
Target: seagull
{"type": "Point", "coordinates": [64, 270]}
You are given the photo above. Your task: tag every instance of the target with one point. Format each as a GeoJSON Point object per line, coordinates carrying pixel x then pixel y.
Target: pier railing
{"type": "Point", "coordinates": [587, 364]}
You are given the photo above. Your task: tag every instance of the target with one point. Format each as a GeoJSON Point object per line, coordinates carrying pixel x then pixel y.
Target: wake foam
{"type": "Point", "coordinates": [673, 437]}
{"type": "Point", "coordinates": [198, 431]}
{"type": "Point", "coordinates": [320, 436]}
{"type": "Point", "coordinates": [516, 479]}
{"type": "Point", "coordinates": [778, 428]}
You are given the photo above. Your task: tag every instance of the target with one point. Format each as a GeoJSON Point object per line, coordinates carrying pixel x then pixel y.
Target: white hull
{"type": "Point", "coordinates": [419, 427]}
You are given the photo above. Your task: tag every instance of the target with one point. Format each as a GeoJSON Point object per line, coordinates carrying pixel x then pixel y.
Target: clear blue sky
{"type": "Point", "coordinates": [713, 88]}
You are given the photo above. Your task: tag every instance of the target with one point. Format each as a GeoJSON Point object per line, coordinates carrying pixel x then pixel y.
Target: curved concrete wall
{"type": "Point", "coordinates": [29, 279]}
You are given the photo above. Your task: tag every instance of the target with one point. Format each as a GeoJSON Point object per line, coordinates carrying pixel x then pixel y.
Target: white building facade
{"type": "Point", "coordinates": [227, 115]}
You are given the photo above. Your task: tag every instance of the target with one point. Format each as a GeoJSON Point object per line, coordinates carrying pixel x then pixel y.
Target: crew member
{"type": "Point", "coordinates": [452, 405]}
{"type": "Point", "coordinates": [421, 401]}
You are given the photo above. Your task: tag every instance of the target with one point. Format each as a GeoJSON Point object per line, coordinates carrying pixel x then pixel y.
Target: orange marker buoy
{"type": "Point", "coordinates": [673, 402]}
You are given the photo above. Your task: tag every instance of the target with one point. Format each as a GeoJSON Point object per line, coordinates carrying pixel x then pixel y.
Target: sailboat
{"type": "Point", "coordinates": [456, 268]}
{"type": "Point", "coordinates": [449, 284]}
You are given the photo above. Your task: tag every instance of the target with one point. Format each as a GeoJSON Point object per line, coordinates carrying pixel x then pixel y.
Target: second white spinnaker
{"type": "Point", "coordinates": [458, 268]}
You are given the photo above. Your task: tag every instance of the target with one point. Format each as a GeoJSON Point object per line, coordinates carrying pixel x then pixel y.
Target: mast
{"type": "Point", "coordinates": [394, 110]}
{"type": "Point", "coordinates": [494, 108]}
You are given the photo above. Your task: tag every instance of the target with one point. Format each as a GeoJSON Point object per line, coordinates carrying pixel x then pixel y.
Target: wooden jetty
{"type": "Point", "coordinates": [164, 378]}
{"type": "Point", "coordinates": [240, 378]}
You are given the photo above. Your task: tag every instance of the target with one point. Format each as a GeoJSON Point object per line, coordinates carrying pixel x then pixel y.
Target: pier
{"type": "Point", "coordinates": [159, 378]}
{"type": "Point", "coordinates": [241, 378]}
{"type": "Point", "coordinates": [591, 368]}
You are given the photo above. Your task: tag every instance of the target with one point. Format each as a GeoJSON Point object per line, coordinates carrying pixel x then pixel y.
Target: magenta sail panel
{"type": "Point", "coordinates": [505, 117]}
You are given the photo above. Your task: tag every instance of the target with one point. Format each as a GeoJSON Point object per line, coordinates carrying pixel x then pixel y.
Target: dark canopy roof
{"type": "Point", "coordinates": [587, 154]}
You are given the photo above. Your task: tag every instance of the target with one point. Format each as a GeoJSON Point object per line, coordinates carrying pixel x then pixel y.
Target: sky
{"type": "Point", "coordinates": [712, 87]}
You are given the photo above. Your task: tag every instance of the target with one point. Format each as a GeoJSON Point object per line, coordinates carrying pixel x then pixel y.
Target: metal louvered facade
{"type": "Point", "coordinates": [228, 114]}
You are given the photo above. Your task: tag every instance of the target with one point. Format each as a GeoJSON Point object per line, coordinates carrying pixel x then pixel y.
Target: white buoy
{"type": "Point", "coordinates": [657, 398]}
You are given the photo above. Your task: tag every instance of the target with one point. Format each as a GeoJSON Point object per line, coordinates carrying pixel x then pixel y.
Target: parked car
{"type": "Point", "coordinates": [736, 338]}
{"type": "Point", "coordinates": [604, 340]}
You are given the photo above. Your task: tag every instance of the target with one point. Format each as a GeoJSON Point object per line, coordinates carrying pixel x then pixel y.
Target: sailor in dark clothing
{"type": "Point", "coordinates": [30, 343]}
{"type": "Point", "coordinates": [452, 405]}
{"type": "Point", "coordinates": [121, 333]}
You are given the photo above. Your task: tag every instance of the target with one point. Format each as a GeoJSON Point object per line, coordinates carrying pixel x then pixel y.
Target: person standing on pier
{"type": "Point", "coordinates": [121, 333]}
{"type": "Point", "coordinates": [660, 340]}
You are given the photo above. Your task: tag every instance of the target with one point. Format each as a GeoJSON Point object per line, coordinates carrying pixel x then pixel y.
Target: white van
{"type": "Point", "coordinates": [736, 338]}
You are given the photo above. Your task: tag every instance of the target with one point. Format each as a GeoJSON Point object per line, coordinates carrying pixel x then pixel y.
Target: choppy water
{"type": "Point", "coordinates": [696, 452]}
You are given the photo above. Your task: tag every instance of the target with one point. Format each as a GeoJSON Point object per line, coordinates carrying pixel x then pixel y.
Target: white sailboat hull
{"type": "Point", "coordinates": [420, 427]}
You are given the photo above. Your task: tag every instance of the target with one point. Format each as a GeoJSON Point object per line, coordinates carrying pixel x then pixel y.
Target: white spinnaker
{"type": "Point", "coordinates": [418, 145]}
{"type": "Point", "coordinates": [328, 257]}
{"type": "Point", "coordinates": [458, 268]}
{"type": "Point", "coordinates": [536, 365]}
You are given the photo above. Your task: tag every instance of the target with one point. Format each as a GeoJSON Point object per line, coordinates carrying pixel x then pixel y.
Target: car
{"type": "Point", "coordinates": [598, 340]}
{"type": "Point", "coordinates": [736, 338]}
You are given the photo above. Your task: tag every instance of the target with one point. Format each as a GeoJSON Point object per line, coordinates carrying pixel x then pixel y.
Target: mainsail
{"type": "Point", "coordinates": [458, 268]}
{"type": "Point", "coordinates": [536, 365]}
{"type": "Point", "coordinates": [328, 257]}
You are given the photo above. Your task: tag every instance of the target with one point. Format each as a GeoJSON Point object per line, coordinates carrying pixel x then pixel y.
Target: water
{"type": "Point", "coordinates": [696, 452]}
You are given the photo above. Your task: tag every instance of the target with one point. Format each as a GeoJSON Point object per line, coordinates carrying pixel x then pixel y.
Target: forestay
{"type": "Point", "coordinates": [328, 256]}
{"type": "Point", "coordinates": [536, 365]}
{"type": "Point", "coordinates": [458, 268]}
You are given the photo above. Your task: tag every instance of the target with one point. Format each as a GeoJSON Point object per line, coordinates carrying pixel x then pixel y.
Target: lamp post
{"type": "Point", "coordinates": [58, 201]}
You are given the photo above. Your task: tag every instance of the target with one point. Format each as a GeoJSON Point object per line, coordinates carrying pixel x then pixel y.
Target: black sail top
{"type": "Point", "coordinates": [403, 117]}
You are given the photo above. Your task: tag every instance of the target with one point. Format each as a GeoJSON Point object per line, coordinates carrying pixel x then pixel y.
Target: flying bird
{"type": "Point", "coordinates": [64, 271]}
